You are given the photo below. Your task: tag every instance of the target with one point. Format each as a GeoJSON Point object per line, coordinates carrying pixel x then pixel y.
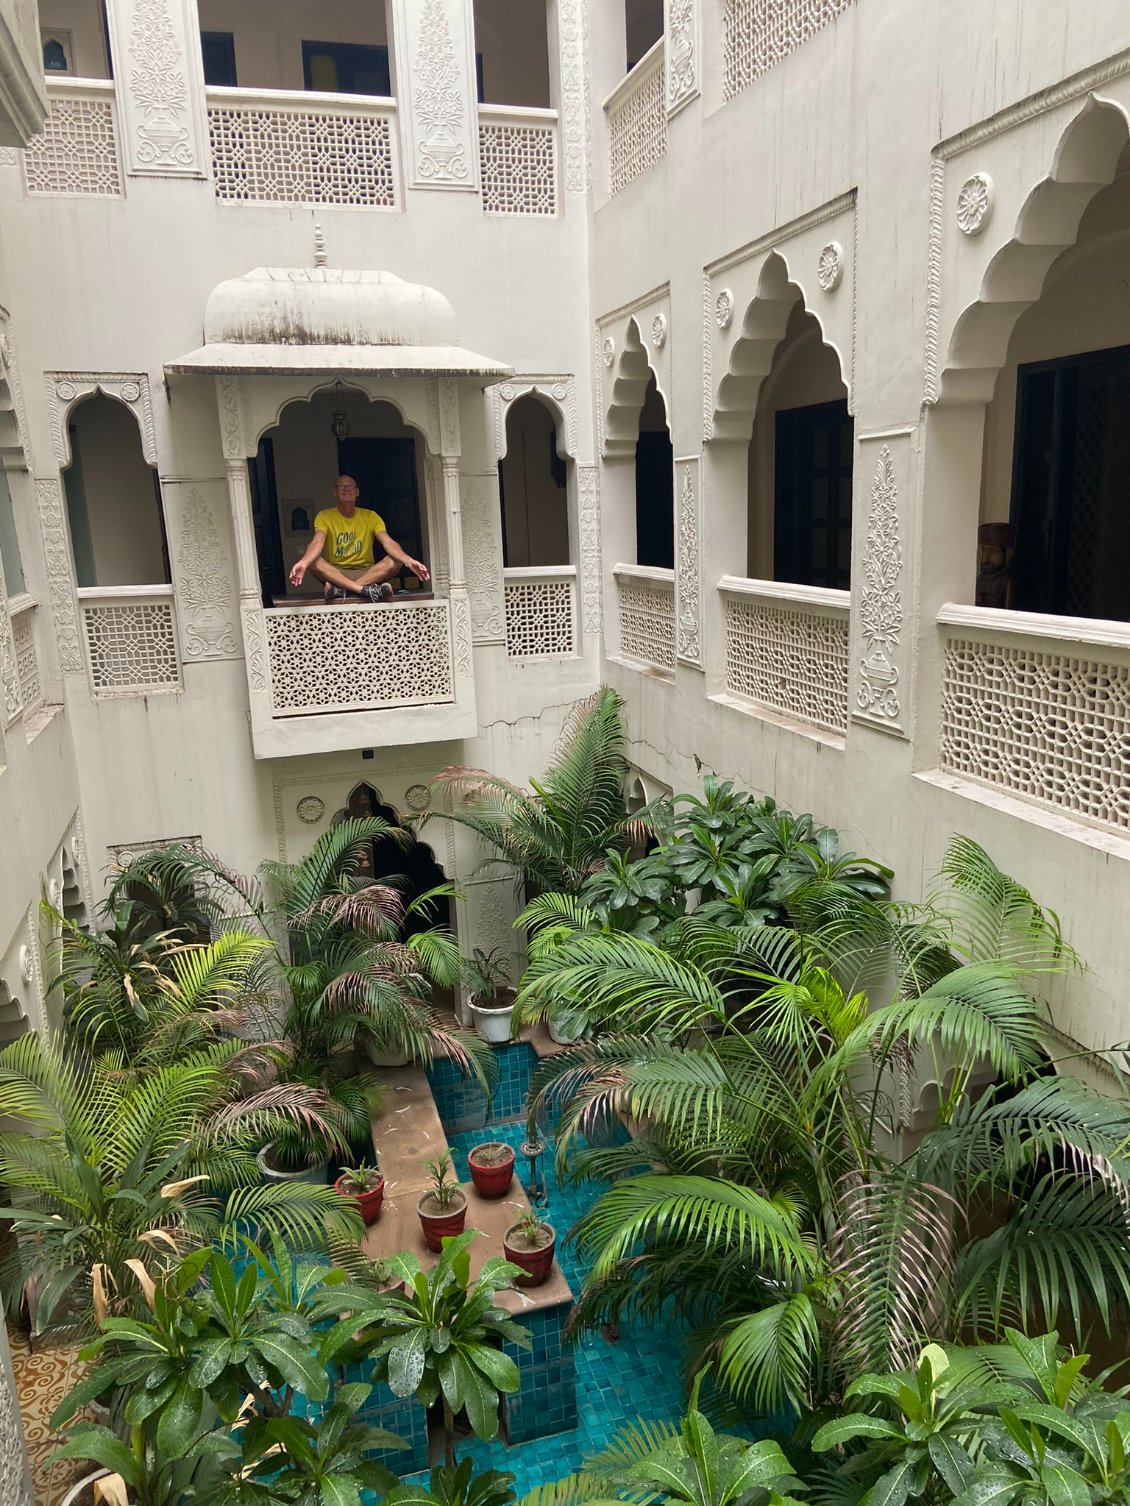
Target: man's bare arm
{"type": "Point", "coordinates": [392, 548]}
{"type": "Point", "coordinates": [313, 549]}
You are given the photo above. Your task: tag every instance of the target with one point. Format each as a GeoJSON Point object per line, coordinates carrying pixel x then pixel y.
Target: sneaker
{"type": "Point", "coordinates": [336, 593]}
{"type": "Point", "coordinates": [382, 592]}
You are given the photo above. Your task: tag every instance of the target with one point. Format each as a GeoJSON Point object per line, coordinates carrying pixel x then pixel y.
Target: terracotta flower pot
{"type": "Point", "coordinates": [441, 1223]}
{"type": "Point", "coordinates": [492, 1178]}
{"type": "Point", "coordinates": [536, 1263]}
{"type": "Point", "coordinates": [368, 1203]}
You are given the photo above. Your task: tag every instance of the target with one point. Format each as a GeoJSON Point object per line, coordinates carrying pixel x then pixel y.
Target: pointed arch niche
{"type": "Point", "coordinates": [1025, 531]}
{"type": "Point", "coordinates": [413, 870]}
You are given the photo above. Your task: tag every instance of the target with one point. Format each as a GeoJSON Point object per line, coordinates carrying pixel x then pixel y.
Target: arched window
{"type": "Point", "coordinates": [412, 870]}
{"type": "Point", "coordinates": [113, 499]}
{"type": "Point", "coordinates": [532, 487]}
{"type": "Point", "coordinates": [655, 485]}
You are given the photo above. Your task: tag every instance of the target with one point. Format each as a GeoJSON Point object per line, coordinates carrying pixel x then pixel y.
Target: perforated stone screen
{"type": "Point", "coordinates": [647, 621]}
{"type": "Point", "coordinates": [274, 155]}
{"type": "Point", "coordinates": [131, 648]}
{"type": "Point", "coordinates": [540, 619]}
{"type": "Point", "coordinates": [27, 664]}
{"type": "Point", "coordinates": [76, 152]}
{"type": "Point", "coordinates": [791, 659]}
{"type": "Point", "coordinates": [359, 658]}
{"type": "Point", "coordinates": [637, 128]}
{"type": "Point", "coordinates": [518, 168]}
{"type": "Point", "coordinates": [1048, 726]}
{"type": "Point", "coordinates": [759, 33]}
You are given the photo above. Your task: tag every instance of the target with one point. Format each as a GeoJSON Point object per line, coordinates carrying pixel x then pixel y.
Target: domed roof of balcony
{"type": "Point", "coordinates": [291, 319]}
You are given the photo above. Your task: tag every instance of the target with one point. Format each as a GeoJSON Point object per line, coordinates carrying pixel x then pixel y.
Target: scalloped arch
{"type": "Point", "coordinates": [626, 398]}
{"type": "Point", "coordinates": [1085, 161]}
{"type": "Point", "coordinates": [555, 411]}
{"type": "Point", "coordinates": [328, 386]}
{"type": "Point", "coordinates": [751, 357]}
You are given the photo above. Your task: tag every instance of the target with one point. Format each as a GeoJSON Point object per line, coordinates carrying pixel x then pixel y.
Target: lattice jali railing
{"type": "Point", "coordinates": [77, 150]}
{"type": "Point", "coordinates": [787, 649]}
{"type": "Point", "coordinates": [359, 658]}
{"type": "Point", "coordinates": [756, 34]}
{"type": "Point", "coordinates": [276, 147]}
{"type": "Point", "coordinates": [518, 160]}
{"type": "Point", "coordinates": [647, 615]}
{"type": "Point", "coordinates": [27, 662]}
{"type": "Point", "coordinates": [541, 612]}
{"type": "Point", "coordinates": [131, 640]}
{"type": "Point", "coordinates": [1047, 721]}
{"type": "Point", "coordinates": [637, 120]}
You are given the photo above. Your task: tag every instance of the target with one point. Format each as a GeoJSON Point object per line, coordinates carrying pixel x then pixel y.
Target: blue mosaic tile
{"type": "Point", "coordinates": [460, 1100]}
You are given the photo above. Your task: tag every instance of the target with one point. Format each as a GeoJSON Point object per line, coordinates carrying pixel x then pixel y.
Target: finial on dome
{"type": "Point", "coordinates": [319, 246]}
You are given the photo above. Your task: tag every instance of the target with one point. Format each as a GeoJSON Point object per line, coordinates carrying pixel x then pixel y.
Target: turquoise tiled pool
{"type": "Point", "coordinates": [637, 1377]}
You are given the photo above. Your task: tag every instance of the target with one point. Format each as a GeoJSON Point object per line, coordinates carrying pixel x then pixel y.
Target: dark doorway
{"type": "Point", "coordinates": [385, 471]}
{"type": "Point", "coordinates": [218, 51]}
{"type": "Point", "coordinates": [812, 496]}
{"type": "Point", "coordinates": [265, 521]}
{"type": "Point", "coordinates": [655, 485]}
{"type": "Point", "coordinates": [1071, 458]}
{"type": "Point", "coordinates": [413, 870]}
{"type": "Point", "coordinates": [346, 68]}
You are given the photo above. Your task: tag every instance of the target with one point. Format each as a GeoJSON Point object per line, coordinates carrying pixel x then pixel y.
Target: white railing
{"type": "Point", "coordinates": [283, 146]}
{"type": "Point", "coordinates": [359, 658]}
{"type": "Point", "coordinates": [787, 648]}
{"type": "Point", "coordinates": [637, 120]}
{"type": "Point", "coordinates": [756, 34]}
{"type": "Point", "coordinates": [518, 160]}
{"type": "Point", "coordinates": [77, 150]}
{"type": "Point", "coordinates": [647, 615]}
{"type": "Point", "coordinates": [131, 640]}
{"type": "Point", "coordinates": [541, 611]}
{"type": "Point", "coordinates": [1039, 706]}
{"type": "Point", "coordinates": [21, 611]}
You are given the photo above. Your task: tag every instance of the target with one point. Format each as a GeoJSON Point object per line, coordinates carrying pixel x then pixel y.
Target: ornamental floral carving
{"type": "Point", "coordinates": [253, 650]}
{"type": "Point", "coordinates": [659, 331]}
{"type": "Point", "coordinates": [60, 581]}
{"type": "Point", "coordinates": [975, 203]}
{"type": "Point", "coordinates": [438, 97]}
{"type": "Point", "coordinates": [483, 562]}
{"type": "Point", "coordinates": [311, 809]}
{"type": "Point", "coordinates": [588, 497]}
{"type": "Point", "coordinates": [461, 632]}
{"type": "Point", "coordinates": [158, 91]}
{"type": "Point", "coordinates": [681, 77]}
{"type": "Point", "coordinates": [204, 584]}
{"type": "Point", "coordinates": [608, 350]}
{"type": "Point", "coordinates": [724, 309]}
{"type": "Point", "coordinates": [880, 606]}
{"type": "Point", "coordinates": [65, 388]}
{"type": "Point", "coordinates": [687, 575]}
{"type": "Point", "coordinates": [14, 1487]}
{"type": "Point", "coordinates": [830, 266]}
{"type": "Point", "coordinates": [574, 95]}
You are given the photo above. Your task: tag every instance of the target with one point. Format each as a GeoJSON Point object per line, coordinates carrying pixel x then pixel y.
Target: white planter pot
{"type": "Point", "coordinates": [319, 1173]}
{"type": "Point", "coordinates": [381, 1058]}
{"type": "Point", "coordinates": [566, 1028]}
{"type": "Point", "coordinates": [77, 1492]}
{"type": "Point", "coordinates": [493, 1023]}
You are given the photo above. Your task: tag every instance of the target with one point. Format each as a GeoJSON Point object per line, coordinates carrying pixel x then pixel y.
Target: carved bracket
{"type": "Point", "coordinates": [66, 388]}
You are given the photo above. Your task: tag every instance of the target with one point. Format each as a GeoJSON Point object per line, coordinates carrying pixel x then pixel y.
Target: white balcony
{"type": "Point", "coordinates": [131, 641]}
{"type": "Point", "coordinates": [518, 160]}
{"type": "Point", "coordinates": [787, 649]}
{"type": "Point", "coordinates": [76, 153]}
{"type": "Point", "coordinates": [21, 611]}
{"type": "Point", "coordinates": [283, 146]}
{"type": "Point", "coordinates": [637, 120]}
{"type": "Point", "coordinates": [541, 612]}
{"type": "Point", "coordinates": [646, 600]}
{"type": "Point", "coordinates": [1039, 706]}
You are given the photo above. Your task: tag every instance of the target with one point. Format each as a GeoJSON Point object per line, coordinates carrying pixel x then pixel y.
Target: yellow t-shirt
{"type": "Point", "coordinates": [349, 541]}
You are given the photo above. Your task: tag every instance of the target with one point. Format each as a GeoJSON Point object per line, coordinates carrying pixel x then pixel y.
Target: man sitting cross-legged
{"type": "Point", "coordinates": [341, 552]}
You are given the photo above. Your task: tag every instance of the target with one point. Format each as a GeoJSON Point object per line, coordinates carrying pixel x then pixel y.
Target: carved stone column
{"type": "Point", "coordinates": [435, 64]}
{"type": "Point", "coordinates": [237, 440]}
{"type": "Point", "coordinates": [156, 51]}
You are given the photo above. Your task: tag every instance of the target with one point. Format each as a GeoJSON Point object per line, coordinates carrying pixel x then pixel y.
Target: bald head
{"type": "Point", "coordinates": [345, 494]}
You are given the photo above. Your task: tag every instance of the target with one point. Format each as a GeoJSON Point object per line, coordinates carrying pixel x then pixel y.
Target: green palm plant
{"type": "Point", "coordinates": [552, 836]}
{"type": "Point", "coordinates": [764, 1083]}
{"type": "Point", "coordinates": [106, 1165]}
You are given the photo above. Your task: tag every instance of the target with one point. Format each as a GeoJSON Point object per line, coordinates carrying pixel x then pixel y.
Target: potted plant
{"type": "Point", "coordinates": [492, 1000]}
{"type": "Point", "coordinates": [567, 1024]}
{"type": "Point", "coordinates": [365, 1185]}
{"type": "Point", "coordinates": [530, 1243]}
{"type": "Point", "coordinates": [492, 1168]}
{"type": "Point", "coordinates": [443, 1208]}
{"type": "Point", "coordinates": [295, 1154]}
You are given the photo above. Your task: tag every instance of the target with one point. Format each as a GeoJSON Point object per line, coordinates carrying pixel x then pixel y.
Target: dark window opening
{"type": "Point", "coordinates": [1071, 457]}
{"type": "Point", "coordinates": [643, 26]}
{"type": "Point", "coordinates": [812, 505]}
{"type": "Point", "coordinates": [218, 51]}
{"type": "Point", "coordinates": [346, 68]}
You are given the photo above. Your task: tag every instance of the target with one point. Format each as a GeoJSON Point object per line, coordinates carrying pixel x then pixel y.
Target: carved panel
{"type": "Point", "coordinates": [637, 127]}
{"type": "Point", "coordinates": [482, 544]}
{"type": "Point", "coordinates": [540, 619]}
{"type": "Point", "coordinates": [592, 569]}
{"type": "Point", "coordinates": [15, 1483]}
{"type": "Point", "coordinates": [435, 52]}
{"type": "Point", "coordinates": [880, 615]}
{"type": "Point", "coordinates": [132, 647]}
{"type": "Point", "coordinates": [519, 167]}
{"type": "Point", "coordinates": [756, 36]}
{"type": "Point", "coordinates": [682, 53]}
{"type": "Point", "coordinates": [9, 666]}
{"type": "Point", "coordinates": [573, 26]}
{"type": "Point", "coordinates": [76, 152]}
{"type": "Point", "coordinates": [205, 596]}
{"type": "Point", "coordinates": [60, 577]}
{"type": "Point", "coordinates": [448, 415]}
{"type": "Point", "coordinates": [234, 435]}
{"type": "Point", "coordinates": [792, 657]}
{"type": "Point", "coordinates": [687, 575]}
{"type": "Point", "coordinates": [560, 389]}
{"type": "Point", "coordinates": [461, 633]}
{"type": "Point", "coordinates": [647, 620]}
{"type": "Point", "coordinates": [158, 100]}
{"type": "Point", "coordinates": [355, 658]}
{"type": "Point", "coordinates": [252, 618]}
{"type": "Point", "coordinates": [66, 388]}
{"type": "Point", "coordinates": [288, 155]}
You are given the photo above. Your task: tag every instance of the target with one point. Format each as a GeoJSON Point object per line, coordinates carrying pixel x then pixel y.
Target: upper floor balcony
{"type": "Point", "coordinates": [274, 107]}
